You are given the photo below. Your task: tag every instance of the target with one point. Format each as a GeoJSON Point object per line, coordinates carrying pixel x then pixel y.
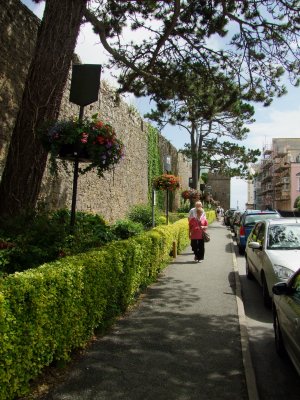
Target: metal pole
{"type": "Point", "coordinates": [167, 208]}
{"type": "Point", "coordinates": [75, 180]}
{"type": "Point", "coordinates": [153, 204]}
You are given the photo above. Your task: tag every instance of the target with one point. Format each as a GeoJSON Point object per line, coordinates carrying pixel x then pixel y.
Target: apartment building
{"type": "Point", "coordinates": [276, 183]}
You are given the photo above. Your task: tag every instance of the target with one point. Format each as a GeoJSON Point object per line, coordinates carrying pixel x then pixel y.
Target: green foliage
{"type": "Point", "coordinates": [186, 43]}
{"type": "Point", "coordinates": [210, 216]}
{"type": "Point", "coordinates": [204, 177]}
{"type": "Point", "coordinates": [162, 220]}
{"type": "Point", "coordinates": [184, 207]}
{"type": "Point", "coordinates": [47, 312]}
{"type": "Point", "coordinates": [219, 156]}
{"type": "Point", "coordinates": [182, 215]}
{"type": "Point", "coordinates": [143, 214]}
{"type": "Point", "coordinates": [209, 107]}
{"type": "Point", "coordinates": [154, 164]}
{"type": "Point", "coordinates": [124, 229]}
{"type": "Point", "coordinates": [297, 203]}
{"type": "Point", "coordinates": [35, 238]}
{"type": "Point", "coordinates": [173, 217]}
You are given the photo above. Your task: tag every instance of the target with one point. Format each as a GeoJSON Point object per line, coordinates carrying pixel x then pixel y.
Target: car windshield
{"type": "Point", "coordinates": [252, 219]}
{"type": "Point", "coordinates": [284, 237]}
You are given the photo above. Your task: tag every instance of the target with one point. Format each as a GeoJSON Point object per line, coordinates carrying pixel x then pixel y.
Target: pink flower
{"type": "Point", "coordinates": [84, 137]}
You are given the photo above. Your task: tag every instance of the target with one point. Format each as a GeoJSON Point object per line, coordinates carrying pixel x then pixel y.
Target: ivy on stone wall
{"type": "Point", "coordinates": [155, 167]}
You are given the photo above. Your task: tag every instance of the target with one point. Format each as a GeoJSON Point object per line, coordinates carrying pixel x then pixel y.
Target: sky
{"type": "Point", "coordinates": [281, 119]}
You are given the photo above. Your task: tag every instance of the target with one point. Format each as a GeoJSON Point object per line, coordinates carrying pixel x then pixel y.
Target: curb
{"type": "Point", "coordinates": [247, 360]}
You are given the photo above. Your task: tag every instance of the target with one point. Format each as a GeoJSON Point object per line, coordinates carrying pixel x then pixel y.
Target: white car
{"type": "Point", "coordinates": [286, 318]}
{"type": "Point", "coordinates": [273, 252]}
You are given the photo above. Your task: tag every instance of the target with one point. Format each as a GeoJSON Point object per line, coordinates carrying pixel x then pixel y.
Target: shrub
{"type": "Point", "coordinates": [162, 220]}
{"type": "Point", "coordinates": [124, 229]}
{"type": "Point", "coordinates": [32, 239]}
{"type": "Point", "coordinates": [182, 215]}
{"type": "Point", "coordinates": [173, 217]}
{"type": "Point", "coordinates": [297, 203]}
{"type": "Point", "coordinates": [49, 311]}
{"type": "Point", "coordinates": [184, 208]}
{"type": "Point", "coordinates": [143, 214]}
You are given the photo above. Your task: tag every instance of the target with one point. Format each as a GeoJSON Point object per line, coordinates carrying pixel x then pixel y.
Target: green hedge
{"type": "Point", "coordinates": [47, 312]}
{"type": "Point", "coordinates": [210, 216]}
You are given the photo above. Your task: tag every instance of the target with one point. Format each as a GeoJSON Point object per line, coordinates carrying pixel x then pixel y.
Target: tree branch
{"type": "Point", "coordinates": [99, 27]}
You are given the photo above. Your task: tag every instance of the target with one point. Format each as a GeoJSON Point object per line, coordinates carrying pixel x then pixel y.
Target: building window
{"type": "Point", "coordinates": [299, 184]}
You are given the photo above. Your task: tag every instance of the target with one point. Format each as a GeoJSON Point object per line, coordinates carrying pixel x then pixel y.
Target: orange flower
{"type": "Point", "coordinates": [99, 124]}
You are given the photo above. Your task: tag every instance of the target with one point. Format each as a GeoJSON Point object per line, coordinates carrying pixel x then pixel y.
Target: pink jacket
{"type": "Point", "coordinates": [195, 226]}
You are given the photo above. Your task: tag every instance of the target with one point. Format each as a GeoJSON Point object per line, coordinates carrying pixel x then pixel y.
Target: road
{"type": "Point", "coordinates": [276, 378]}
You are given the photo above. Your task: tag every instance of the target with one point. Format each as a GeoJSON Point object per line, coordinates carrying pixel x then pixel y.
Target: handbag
{"type": "Point", "coordinates": [206, 236]}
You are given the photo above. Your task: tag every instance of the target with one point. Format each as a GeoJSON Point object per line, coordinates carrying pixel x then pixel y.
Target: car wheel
{"type": "Point", "coordinates": [279, 345]}
{"type": "Point", "coordinates": [248, 272]}
{"type": "Point", "coordinates": [265, 292]}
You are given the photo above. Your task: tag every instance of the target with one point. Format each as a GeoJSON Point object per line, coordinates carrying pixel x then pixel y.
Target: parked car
{"type": "Point", "coordinates": [273, 252]}
{"type": "Point", "coordinates": [227, 215]}
{"type": "Point", "coordinates": [232, 218]}
{"type": "Point", "coordinates": [248, 220]}
{"type": "Point", "coordinates": [286, 317]}
{"type": "Point", "coordinates": [236, 219]}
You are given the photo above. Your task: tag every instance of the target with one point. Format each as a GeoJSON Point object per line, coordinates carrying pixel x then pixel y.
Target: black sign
{"type": "Point", "coordinates": [85, 84]}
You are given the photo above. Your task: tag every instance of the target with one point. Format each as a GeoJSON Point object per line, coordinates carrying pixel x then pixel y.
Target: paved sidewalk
{"type": "Point", "coordinates": [180, 342]}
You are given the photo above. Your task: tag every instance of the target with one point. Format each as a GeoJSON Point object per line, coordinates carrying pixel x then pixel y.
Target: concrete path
{"type": "Point", "coordinates": [182, 341]}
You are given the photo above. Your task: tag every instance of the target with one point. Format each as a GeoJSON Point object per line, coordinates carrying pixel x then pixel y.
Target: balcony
{"type": "Point", "coordinates": [267, 163]}
{"type": "Point", "coordinates": [285, 196]}
{"type": "Point", "coordinates": [280, 152]}
{"type": "Point", "coordinates": [282, 167]}
{"type": "Point", "coordinates": [267, 178]}
{"type": "Point", "coordinates": [267, 149]}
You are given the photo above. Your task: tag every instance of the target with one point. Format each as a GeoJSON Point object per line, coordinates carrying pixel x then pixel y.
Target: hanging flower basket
{"type": "Point", "coordinates": [166, 182]}
{"type": "Point", "coordinates": [191, 194]}
{"type": "Point", "coordinates": [89, 140]}
{"type": "Point", "coordinates": [69, 152]}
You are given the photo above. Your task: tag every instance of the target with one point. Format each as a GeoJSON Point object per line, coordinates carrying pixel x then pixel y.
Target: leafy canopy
{"type": "Point", "coordinates": [256, 40]}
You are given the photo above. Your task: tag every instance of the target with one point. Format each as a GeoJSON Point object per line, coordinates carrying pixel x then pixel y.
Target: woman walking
{"type": "Point", "coordinates": [197, 224]}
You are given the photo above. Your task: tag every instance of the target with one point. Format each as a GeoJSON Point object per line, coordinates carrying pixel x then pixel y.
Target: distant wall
{"type": "Point", "coordinates": [220, 189]}
{"type": "Point", "coordinates": [113, 195]}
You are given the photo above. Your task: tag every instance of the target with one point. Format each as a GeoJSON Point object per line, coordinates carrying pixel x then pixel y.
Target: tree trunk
{"type": "Point", "coordinates": [195, 162]}
{"type": "Point", "coordinates": [199, 152]}
{"type": "Point", "coordinates": [48, 73]}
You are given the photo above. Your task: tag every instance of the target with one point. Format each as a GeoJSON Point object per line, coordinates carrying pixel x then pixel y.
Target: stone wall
{"type": "Point", "coordinates": [220, 189]}
{"type": "Point", "coordinates": [127, 185]}
{"type": "Point", "coordinates": [18, 30]}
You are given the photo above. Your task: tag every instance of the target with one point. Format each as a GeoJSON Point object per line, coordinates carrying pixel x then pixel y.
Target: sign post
{"type": "Point", "coordinates": [167, 168]}
{"type": "Point", "coordinates": [85, 85]}
{"type": "Point", "coordinates": [153, 206]}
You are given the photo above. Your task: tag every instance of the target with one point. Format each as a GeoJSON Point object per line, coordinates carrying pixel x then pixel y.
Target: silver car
{"type": "Point", "coordinates": [273, 252]}
{"type": "Point", "coordinates": [286, 318]}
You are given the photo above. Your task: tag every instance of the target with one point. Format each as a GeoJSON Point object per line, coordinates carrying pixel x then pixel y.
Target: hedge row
{"type": "Point", "coordinates": [47, 312]}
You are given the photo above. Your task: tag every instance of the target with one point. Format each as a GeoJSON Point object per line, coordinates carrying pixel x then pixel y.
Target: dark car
{"type": "Point", "coordinates": [227, 216]}
{"type": "Point", "coordinates": [248, 220]}
{"type": "Point", "coordinates": [286, 317]}
{"type": "Point", "coordinates": [235, 221]}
